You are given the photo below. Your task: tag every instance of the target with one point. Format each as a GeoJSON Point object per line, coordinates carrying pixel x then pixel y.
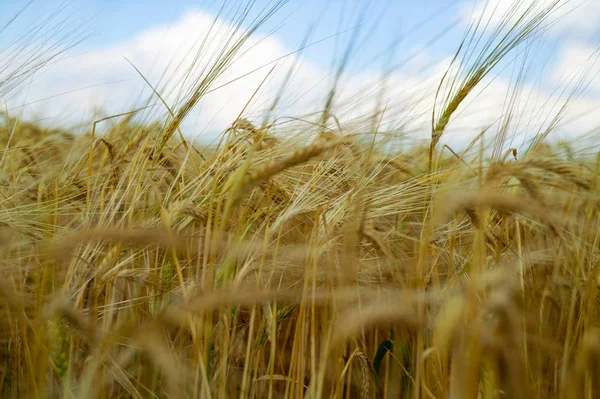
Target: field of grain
{"type": "Point", "coordinates": [303, 260]}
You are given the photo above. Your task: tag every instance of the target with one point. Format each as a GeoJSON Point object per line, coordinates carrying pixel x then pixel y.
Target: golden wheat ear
{"type": "Point", "coordinates": [320, 263]}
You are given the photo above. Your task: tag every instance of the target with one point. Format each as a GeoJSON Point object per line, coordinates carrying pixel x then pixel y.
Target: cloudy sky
{"type": "Point", "coordinates": [114, 51]}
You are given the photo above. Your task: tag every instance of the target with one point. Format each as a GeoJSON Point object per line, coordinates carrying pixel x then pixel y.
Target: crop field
{"type": "Point", "coordinates": [306, 259]}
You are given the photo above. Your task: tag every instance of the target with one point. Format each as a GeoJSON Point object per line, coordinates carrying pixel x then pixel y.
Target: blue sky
{"type": "Point", "coordinates": [385, 21]}
{"type": "Point", "coordinates": [420, 36]}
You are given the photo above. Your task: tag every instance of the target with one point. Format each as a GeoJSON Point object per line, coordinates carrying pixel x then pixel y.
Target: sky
{"type": "Point", "coordinates": [115, 53]}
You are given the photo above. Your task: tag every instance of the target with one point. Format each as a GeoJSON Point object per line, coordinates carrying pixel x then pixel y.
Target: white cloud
{"type": "Point", "coordinates": [408, 98]}
{"type": "Point", "coordinates": [575, 57]}
{"type": "Point", "coordinates": [573, 17]}
{"type": "Point", "coordinates": [159, 52]}
{"type": "Point", "coordinates": [102, 78]}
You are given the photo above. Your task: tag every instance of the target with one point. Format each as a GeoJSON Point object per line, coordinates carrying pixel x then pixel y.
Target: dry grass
{"type": "Point", "coordinates": [266, 267]}
{"type": "Point", "coordinates": [135, 281]}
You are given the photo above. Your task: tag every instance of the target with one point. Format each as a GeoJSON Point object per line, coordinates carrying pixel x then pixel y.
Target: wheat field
{"type": "Point", "coordinates": [302, 260]}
